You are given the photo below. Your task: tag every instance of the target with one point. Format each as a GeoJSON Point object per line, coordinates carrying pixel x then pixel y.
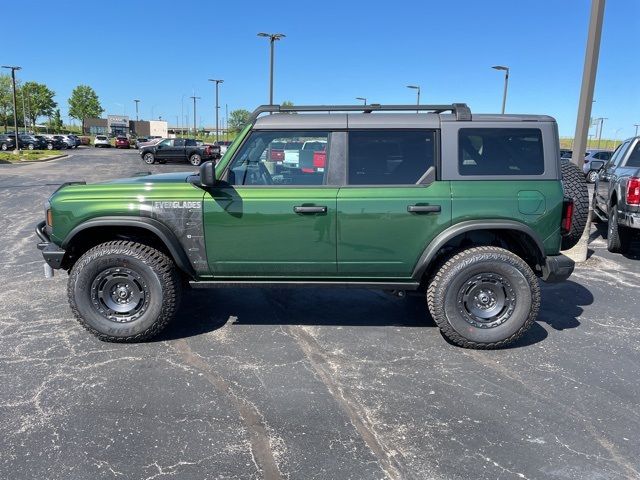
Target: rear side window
{"type": "Point", "coordinates": [189, 142]}
{"type": "Point", "coordinates": [634, 158]}
{"type": "Point", "coordinates": [389, 157]}
{"type": "Point", "coordinates": [500, 151]}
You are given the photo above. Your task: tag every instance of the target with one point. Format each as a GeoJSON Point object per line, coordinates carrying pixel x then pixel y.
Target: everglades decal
{"type": "Point", "coordinates": [184, 218]}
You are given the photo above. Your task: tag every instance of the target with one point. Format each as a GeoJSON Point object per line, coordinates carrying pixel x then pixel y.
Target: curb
{"type": "Point", "coordinates": [45, 160]}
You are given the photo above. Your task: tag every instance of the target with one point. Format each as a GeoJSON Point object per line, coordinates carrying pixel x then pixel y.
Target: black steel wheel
{"type": "Point", "coordinates": [123, 291]}
{"type": "Point", "coordinates": [483, 297]}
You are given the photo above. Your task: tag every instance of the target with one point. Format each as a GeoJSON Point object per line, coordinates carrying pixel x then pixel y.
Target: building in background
{"type": "Point", "coordinates": [120, 125]}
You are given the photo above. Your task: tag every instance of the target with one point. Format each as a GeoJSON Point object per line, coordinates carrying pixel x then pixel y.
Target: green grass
{"type": "Point", "coordinates": [605, 143]}
{"type": "Point", "coordinates": [28, 155]}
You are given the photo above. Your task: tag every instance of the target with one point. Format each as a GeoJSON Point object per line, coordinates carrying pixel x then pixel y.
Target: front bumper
{"type": "Point", "coordinates": [51, 252]}
{"type": "Point", "coordinates": [557, 268]}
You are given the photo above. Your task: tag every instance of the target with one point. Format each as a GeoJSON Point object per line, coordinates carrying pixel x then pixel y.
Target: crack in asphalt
{"type": "Point", "coordinates": [249, 414]}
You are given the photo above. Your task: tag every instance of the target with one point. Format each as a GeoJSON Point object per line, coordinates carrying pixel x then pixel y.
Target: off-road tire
{"type": "Point", "coordinates": [195, 159]}
{"type": "Point", "coordinates": [618, 236]}
{"type": "Point", "coordinates": [575, 187]}
{"type": "Point", "coordinates": [153, 272]}
{"type": "Point", "coordinates": [149, 158]}
{"type": "Point", "coordinates": [451, 279]}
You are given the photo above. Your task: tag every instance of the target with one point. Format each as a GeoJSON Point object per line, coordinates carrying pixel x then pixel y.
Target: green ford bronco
{"type": "Point", "coordinates": [468, 210]}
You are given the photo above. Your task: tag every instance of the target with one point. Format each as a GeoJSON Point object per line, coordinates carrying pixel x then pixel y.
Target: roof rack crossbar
{"type": "Point", "coordinates": [461, 110]}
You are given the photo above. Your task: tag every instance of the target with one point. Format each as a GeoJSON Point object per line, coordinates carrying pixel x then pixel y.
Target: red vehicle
{"type": "Point", "coordinates": [122, 142]}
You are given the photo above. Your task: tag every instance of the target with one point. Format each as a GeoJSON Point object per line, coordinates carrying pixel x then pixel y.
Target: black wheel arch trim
{"type": "Point", "coordinates": [152, 225]}
{"type": "Point", "coordinates": [467, 226]}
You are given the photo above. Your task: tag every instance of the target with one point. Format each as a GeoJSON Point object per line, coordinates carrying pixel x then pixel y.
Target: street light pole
{"type": "Point", "coordinates": [636, 125]}
{"type": "Point", "coordinates": [363, 99]}
{"type": "Point", "coordinates": [416, 87]}
{"type": "Point", "coordinates": [137, 102]}
{"type": "Point", "coordinates": [217, 83]}
{"type": "Point", "coordinates": [272, 39]}
{"type": "Point", "coordinates": [195, 130]}
{"type": "Point", "coordinates": [15, 104]}
{"type": "Point", "coordinates": [506, 84]}
{"type": "Point", "coordinates": [602, 119]}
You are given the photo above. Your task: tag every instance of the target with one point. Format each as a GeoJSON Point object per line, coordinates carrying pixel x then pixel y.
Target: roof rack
{"type": "Point", "coordinates": [460, 110]}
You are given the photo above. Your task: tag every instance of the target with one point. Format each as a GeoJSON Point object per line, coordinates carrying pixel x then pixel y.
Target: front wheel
{"type": "Point", "coordinates": [483, 297]}
{"type": "Point", "coordinates": [195, 159]}
{"type": "Point", "coordinates": [4, 147]}
{"type": "Point", "coordinates": [591, 176]}
{"type": "Point", "coordinates": [149, 158]}
{"type": "Point", "coordinates": [30, 147]}
{"type": "Point", "coordinates": [123, 291]}
{"type": "Point", "coordinates": [49, 146]}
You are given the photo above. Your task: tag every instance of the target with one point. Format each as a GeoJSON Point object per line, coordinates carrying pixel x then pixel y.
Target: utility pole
{"type": "Point", "coordinates": [15, 104]}
{"type": "Point", "coordinates": [414, 87]}
{"type": "Point", "coordinates": [602, 119]}
{"type": "Point", "coordinates": [195, 129]}
{"type": "Point", "coordinates": [363, 99]}
{"type": "Point", "coordinates": [226, 122]}
{"type": "Point", "coordinates": [636, 125]}
{"type": "Point", "coordinates": [217, 82]}
{"type": "Point", "coordinates": [592, 52]}
{"type": "Point", "coordinates": [272, 39]}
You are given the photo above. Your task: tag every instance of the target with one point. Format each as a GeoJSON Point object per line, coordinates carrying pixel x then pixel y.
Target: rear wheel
{"type": "Point", "coordinates": [149, 158]}
{"type": "Point", "coordinates": [195, 159]}
{"type": "Point", "coordinates": [575, 187]}
{"type": "Point", "coordinates": [483, 297]}
{"type": "Point", "coordinates": [124, 291]}
{"type": "Point", "coordinates": [618, 236]}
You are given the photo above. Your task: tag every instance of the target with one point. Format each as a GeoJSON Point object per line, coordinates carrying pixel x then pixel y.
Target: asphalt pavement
{"type": "Point", "coordinates": [302, 384]}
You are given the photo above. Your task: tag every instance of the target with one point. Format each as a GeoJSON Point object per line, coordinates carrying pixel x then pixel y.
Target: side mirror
{"type": "Point", "coordinates": [596, 165]}
{"type": "Point", "coordinates": [208, 174]}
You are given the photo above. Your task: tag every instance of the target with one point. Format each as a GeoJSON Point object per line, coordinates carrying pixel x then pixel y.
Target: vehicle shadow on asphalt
{"type": "Point", "coordinates": [600, 231]}
{"type": "Point", "coordinates": [204, 311]}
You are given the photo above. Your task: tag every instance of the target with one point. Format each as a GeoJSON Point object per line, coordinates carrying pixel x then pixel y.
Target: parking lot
{"type": "Point", "coordinates": [253, 383]}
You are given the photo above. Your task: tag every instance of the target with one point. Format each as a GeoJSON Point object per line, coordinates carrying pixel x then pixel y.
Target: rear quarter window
{"type": "Point", "coordinates": [500, 151]}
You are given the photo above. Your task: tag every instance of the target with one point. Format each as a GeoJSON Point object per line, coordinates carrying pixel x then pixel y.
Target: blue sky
{"type": "Point", "coordinates": [334, 51]}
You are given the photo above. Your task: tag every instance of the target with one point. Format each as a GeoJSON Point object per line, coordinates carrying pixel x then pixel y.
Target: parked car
{"type": "Point", "coordinates": [179, 149]}
{"type": "Point", "coordinates": [69, 140]}
{"type": "Point", "coordinates": [51, 142]}
{"type": "Point", "coordinates": [616, 196]}
{"type": "Point", "coordinates": [122, 142]}
{"type": "Point", "coordinates": [462, 222]}
{"type": "Point", "coordinates": [140, 140]}
{"type": "Point", "coordinates": [224, 145]}
{"type": "Point", "coordinates": [7, 142]}
{"type": "Point", "coordinates": [75, 139]}
{"type": "Point", "coordinates": [594, 154]}
{"type": "Point", "coordinates": [101, 141]}
{"type": "Point", "coordinates": [31, 142]}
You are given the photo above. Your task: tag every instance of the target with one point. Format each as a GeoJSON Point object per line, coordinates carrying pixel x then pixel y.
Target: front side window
{"type": "Point", "coordinates": [166, 143]}
{"type": "Point", "coordinates": [390, 157]}
{"type": "Point", "coordinates": [281, 158]}
{"type": "Point", "coordinates": [500, 151]}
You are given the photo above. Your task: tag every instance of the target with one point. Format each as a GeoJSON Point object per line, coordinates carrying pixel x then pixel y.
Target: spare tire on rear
{"type": "Point", "coordinates": [575, 187]}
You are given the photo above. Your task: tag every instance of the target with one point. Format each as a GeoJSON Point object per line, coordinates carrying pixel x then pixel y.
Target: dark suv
{"type": "Point", "coordinates": [468, 211]}
{"type": "Point", "coordinates": [7, 142]}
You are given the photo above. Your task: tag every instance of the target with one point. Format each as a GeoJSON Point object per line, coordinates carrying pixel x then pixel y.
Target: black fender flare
{"type": "Point", "coordinates": [152, 225]}
{"type": "Point", "coordinates": [467, 226]}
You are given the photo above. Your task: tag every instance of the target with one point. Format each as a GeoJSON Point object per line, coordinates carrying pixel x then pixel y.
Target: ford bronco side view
{"type": "Point", "coordinates": [468, 211]}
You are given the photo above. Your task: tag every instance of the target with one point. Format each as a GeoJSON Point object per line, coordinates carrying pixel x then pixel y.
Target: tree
{"type": "Point", "coordinates": [288, 103]}
{"type": "Point", "coordinates": [84, 103]}
{"type": "Point", "coordinates": [238, 119]}
{"type": "Point", "coordinates": [6, 100]}
{"type": "Point", "coordinates": [39, 100]}
{"type": "Point", "coordinates": [56, 121]}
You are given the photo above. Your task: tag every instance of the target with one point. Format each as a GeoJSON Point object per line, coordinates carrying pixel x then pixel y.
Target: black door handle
{"type": "Point", "coordinates": [424, 208]}
{"type": "Point", "coordinates": [303, 209]}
